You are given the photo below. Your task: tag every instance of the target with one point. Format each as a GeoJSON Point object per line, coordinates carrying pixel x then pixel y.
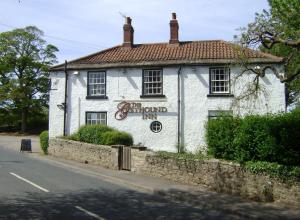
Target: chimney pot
{"type": "Point", "coordinates": [127, 20]}
{"type": "Point", "coordinates": [174, 27]}
{"type": "Point", "coordinates": [174, 16]}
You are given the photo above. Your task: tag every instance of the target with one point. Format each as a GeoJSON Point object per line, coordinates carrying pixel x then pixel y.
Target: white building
{"type": "Point", "coordinates": [161, 93]}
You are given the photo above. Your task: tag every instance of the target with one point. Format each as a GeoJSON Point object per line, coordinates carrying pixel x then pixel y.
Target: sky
{"type": "Point", "coordinates": [81, 27]}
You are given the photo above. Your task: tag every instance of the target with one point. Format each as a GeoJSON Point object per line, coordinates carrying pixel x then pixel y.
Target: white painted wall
{"type": "Point", "coordinates": [57, 95]}
{"type": "Point", "coordinates": [127, 85]}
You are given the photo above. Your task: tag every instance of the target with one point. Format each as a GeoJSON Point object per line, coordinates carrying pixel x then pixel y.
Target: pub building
{"type": "Point", "coordinates": [161, 93]}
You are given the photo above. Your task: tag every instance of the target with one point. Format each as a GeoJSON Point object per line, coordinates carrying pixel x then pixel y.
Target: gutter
{"type": "Point", "coordinates": [66, 96]}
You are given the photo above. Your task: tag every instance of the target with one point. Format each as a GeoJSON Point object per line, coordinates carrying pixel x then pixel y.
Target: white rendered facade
{"type": "Point", "coordinates": [125, 84]}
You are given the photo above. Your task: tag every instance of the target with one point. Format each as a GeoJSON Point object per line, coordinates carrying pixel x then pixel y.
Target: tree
{"type": "Point", "coordinates": [278, 32]}
{"type": "Point", "coordinates": [25, 59]}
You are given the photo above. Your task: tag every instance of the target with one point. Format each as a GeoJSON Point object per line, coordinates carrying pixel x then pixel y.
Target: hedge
{"type": "Point", "coordinates": [44, 141]}
{"type": "Point", "coordinates": [102, 135]}
{"type": "Point", "coordinates": [272, 138]}
{"type": "Point", "coordinates": [92, 133]}
{"type": "Point", "coordinates": [274, 169]}
{"type": "Point", "coordinates": [219, 137]}
{"type": "Point", "coordinates": [117, 137]}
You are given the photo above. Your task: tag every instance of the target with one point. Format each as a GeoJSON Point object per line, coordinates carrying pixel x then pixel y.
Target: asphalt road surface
{"type": "Point", "coordinates": [35, 189]}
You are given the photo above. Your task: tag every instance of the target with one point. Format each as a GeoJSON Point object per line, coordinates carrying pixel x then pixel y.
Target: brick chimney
{"type": "Point", "coordinates": [174, 27]}
{"type": "Point", "coordinates": [128, 33]}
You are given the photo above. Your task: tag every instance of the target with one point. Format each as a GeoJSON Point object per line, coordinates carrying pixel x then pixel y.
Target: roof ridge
{"type": "Point", "coordinates": [191, 41]}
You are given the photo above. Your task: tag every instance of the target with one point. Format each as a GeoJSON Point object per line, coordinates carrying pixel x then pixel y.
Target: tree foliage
{"type": "Point", "coordinates": [277, 31]}
{"type": "Point", "coordinates": [25, 59]}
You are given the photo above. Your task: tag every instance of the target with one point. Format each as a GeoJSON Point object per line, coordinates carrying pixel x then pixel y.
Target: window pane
{"type": "Point", "coordinates": [220, 80]}
{"type": "Point", "coordinates": [152, 82]}
{"type": "Point", "coordinates": [156, 126]}
{"type": "Point", "coordinates": [96, 118]}
{"type": "Point", "coordinates": [96, 83]}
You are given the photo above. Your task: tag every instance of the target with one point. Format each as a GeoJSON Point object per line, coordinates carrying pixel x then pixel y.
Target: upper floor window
{"type": "Point", "coordinates": [213, 114]}
{"type": "Point", "coordinates": [97, 83]}
{"type": "Point", "coordinates": [152, 83]}
{"type": "Point", "coordinates": [93, 118]}
{"type": "Point", "coordinates": [219, 80]}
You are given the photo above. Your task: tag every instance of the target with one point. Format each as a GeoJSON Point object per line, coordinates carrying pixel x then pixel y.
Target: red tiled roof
{"type": "Point", "coordinates": [163, 53]}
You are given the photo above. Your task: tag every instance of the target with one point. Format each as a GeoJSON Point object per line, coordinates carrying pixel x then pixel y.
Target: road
{"type": "Point", "coordinates": [32, 188]}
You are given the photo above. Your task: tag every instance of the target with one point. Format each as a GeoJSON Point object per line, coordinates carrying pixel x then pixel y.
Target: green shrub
{"type": "Point", "coordinates": [253, 140]}
{"type": "Point", "coordinates": [117, 137]}
{"type": "Point", "coordinates": [101, 134]}
{"type": "Point", "coordinates": [220, 135]}
{"type": "Point", "coordinates": [274, 169]}
{"type": "Point", "coordinates": [272, 138]}
{"type": "Point", "coordinates": [74, 137]}
{"type": "Point", "coordinates": [44, 141]}
{"type": "Point", "coordinates": [185, 156]}
{"type": "Point", "coordinates": [92, 133]}
{"type": "Point", "coordinates": [286, 131]}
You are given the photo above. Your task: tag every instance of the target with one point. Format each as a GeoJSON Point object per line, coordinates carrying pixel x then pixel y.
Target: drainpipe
{"type": "Point", "coordinates": [178, 107]}
{"type": "Point", "coordinates": [66, 96]}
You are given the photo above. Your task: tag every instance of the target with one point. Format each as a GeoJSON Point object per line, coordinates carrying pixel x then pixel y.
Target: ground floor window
{"type": "Point", "coordinates": [213, 114]}
{"type": "Point", "coordinates": [94, 118]}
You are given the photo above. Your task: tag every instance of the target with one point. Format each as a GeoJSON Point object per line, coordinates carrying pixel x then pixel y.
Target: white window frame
{"type": "Point", "coordinates": [219, 83]}
{"type": "Point", "coordinates": [97, 83]}
{"type": "Point", "coordinates": [152, 83]}
{"type": "Point", "coordinates": [95, 118]}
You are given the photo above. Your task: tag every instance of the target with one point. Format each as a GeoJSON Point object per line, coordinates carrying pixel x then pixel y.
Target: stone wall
{"type": "Point", "coordinates": [225, 177]}
{"type": "Point", "coordinates": [104, 156]}
{"type": "Point", "coordinates": [216, 175]}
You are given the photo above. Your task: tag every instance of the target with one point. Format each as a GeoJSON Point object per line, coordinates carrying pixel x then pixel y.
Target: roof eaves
{"type": "Point", "coordinates": [165, 63]}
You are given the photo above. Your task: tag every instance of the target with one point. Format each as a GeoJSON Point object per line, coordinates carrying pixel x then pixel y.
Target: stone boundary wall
{"type": "Point", "coordinates": [105, 156]}
{"type": "Point", "coordinates": [216, 175]}
{"type": "Point", "coordinates": [225, 177]}
{"type": "Point", "coordinates": [102, 155]}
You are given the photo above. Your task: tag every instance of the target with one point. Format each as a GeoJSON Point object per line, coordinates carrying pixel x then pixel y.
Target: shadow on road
{"type": "Point", "coordinates": [127, 204]}
{"type": "Point", "coordinates": [230, 204]}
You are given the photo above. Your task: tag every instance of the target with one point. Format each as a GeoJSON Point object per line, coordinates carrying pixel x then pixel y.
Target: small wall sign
{"type": "Point", "coordinates": [125, 107]}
